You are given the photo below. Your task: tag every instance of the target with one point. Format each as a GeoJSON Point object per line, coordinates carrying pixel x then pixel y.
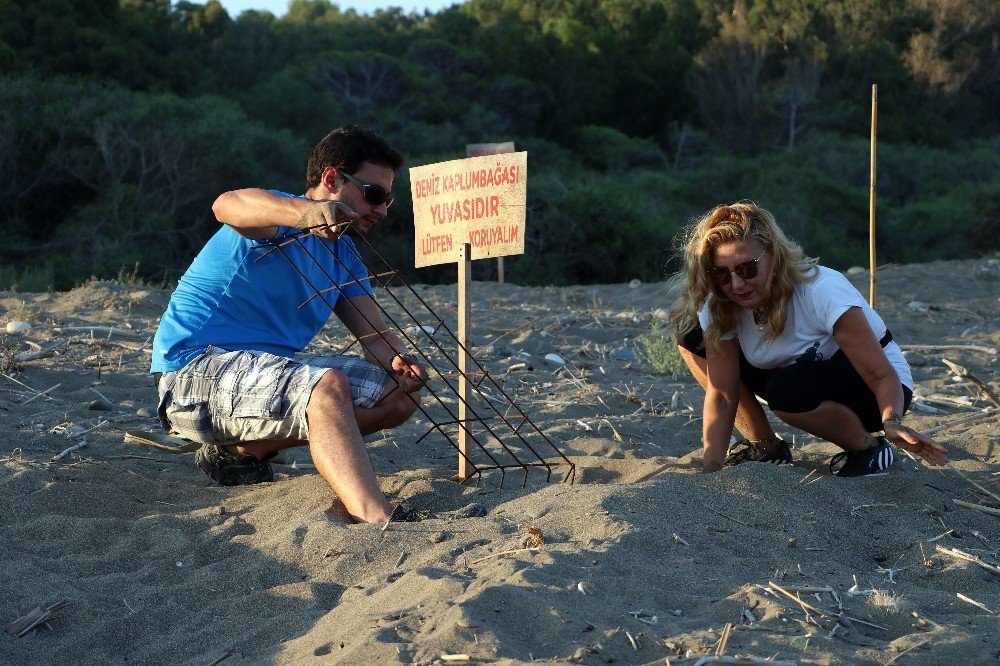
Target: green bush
{"type": "Point", "coordinates": [657, 348]}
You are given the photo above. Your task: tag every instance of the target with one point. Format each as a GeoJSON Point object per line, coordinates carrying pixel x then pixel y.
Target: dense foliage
{"type": "Point", "coordinates": [121, 120]}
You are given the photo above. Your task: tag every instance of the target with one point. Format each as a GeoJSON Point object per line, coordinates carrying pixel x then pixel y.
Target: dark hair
{"type": "Point", "coordinates": [346, 148]}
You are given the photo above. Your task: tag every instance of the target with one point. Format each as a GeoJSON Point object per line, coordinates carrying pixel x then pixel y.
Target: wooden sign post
{"type": "Point", "coordinates": [871, 203]}
{"type": "Point", "coordinates": [478, 150]}
{"type": "Point", "coordinates": [465, 210]}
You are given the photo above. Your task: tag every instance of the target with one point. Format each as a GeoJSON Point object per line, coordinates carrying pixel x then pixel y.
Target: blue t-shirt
{"type": "Point", "coordinates": [232, 298]}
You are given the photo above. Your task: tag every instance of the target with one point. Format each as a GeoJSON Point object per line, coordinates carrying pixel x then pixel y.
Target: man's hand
{"type": "Point", "coordinates": [327, 219]}
{"type": "Point", "coordinates": [408, 373]}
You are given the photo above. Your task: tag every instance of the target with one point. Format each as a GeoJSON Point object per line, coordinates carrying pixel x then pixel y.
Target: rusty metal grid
{"type": "Point", "coordinates": [509, 429]}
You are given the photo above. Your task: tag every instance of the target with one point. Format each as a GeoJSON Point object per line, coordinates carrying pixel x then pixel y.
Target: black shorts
{"type": "Point", "coordinates": [802, 386]}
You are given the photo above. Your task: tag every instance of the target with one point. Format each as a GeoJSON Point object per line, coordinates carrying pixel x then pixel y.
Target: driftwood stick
{"type": "Point", "coordinates": [42, 394]}
{"type": "Point", "coordinates": [794, 598]}
{"type": "Point", "coordinates": [804, 605]}
{"type": "Point", "coordinates": [981, 416]}
{"type": "Point", "coordinates": [752, 661]}
{"type": "Point", "coordinates": [980, 384]}
{"type": "Point", "coordinates": [106, 330]}
{"type": "Point", "coordinates": [985, 350]}
{"type": "Point", "coordinates": [962, 555]}
{"type": "Point", "coordinates": [909, 649]}
{"type": "Point", "coordinates": [95, 427]}
{"type": "Point", "coordinates": [504, 553]}
{"type": "Point", "coordinates": [975, 485]}
{"type": "Point", "coordinates": [67, 451]}
{"type": "Point", "coordinates": [977, 507]}
{"type": "Point", "coordinates": [973, 602]}
{"type": "Point", "coordinates": [725, 515]}
{"type": "Point", "coordinates": [39, 615]}
{"type": "Point", "coordinates": [41, 353]}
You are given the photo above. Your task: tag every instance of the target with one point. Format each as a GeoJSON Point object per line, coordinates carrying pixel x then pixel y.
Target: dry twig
{"type": "Point", "coordinates": [980, 384]}
{"type": "Point", "coordinates": [39, 615]}
{"type": "Point", "coordinates": [962, 555]}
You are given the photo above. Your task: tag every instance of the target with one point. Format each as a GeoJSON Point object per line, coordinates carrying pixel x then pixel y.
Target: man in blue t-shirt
{"type": "Point", "coordinates": [224, 355]}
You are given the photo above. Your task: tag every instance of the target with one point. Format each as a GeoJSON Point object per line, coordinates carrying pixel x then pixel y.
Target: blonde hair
{"type": "Point", "coordinates": [735, 223]}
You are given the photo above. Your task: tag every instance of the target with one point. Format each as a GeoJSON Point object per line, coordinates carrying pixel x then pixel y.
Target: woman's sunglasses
{"type": "Point", "coordinates": [374, 194]}
{"type": "Point", "coordinates": [747, 270]}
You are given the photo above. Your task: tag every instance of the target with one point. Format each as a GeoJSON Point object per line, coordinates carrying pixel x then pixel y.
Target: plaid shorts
{"type": "Point", "coordinates": [225, 397]}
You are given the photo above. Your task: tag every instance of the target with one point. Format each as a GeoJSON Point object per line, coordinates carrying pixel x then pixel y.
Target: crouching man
{"type": "Point", "coordinates": [224, 355]}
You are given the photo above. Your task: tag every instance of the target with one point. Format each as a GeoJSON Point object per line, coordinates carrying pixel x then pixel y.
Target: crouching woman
{"type": "Point", "coordinates": [755, 317]}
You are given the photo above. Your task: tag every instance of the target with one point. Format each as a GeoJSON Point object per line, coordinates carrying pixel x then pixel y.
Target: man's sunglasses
{"type": "Point", "coordinates": [747, 270]}
{"type": "Point", "coordinates": [374, 194]}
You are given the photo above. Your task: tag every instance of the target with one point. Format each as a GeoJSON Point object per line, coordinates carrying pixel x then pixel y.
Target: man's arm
{"type": "Point", "coordinates": [256, 214]}
{"type": "Point", "coordinates": [362, 317]}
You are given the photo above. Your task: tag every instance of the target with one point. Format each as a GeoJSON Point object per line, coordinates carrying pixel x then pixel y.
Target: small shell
{"type": "Point", "coordinates": [554, 359]}
{"type": "Point", "coordinates": [18, 326]}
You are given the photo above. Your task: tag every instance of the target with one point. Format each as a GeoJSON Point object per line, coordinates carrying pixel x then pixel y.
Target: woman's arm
{"type": "Point", "coordinates": [858, 342]}
{"type": "Point", "coordinates": [722, 397]}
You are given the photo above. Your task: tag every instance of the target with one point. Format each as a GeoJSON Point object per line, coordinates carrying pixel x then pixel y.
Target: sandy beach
{"type": "Point", "coordinates": [642, 559]}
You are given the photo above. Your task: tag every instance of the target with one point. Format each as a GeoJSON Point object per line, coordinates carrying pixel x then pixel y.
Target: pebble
{"type": "Point", "coordinates": [634, 283]}
{"type": "Point", "coordinates": [856, 270]}
{"type": "Point", "coordinates": [437, 537]}
{"type": "Point", "coordinates": [916, 306]}
{"type": "Point", "coordinates": [554, 359]}
{"type": "Point", "coordinates": [623, 354]}
{"type": "Point", "coordinates": [100, 405]}
{"type": "Point", "coordinates": [792, 542]}
{"type": "Point", "coordinates": [142, 411]}
{"type": "Point", "coordinates": [18, 326]}
{"type": "Point", "coordinates": [473, 511]}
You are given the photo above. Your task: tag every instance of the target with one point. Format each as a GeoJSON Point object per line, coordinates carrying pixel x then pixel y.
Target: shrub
{"type": "Point", "coordinates": [657, 348]}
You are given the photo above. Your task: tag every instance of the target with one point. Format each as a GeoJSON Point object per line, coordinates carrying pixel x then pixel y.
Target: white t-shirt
{"type": "Point", "coordinates": [808, 336]}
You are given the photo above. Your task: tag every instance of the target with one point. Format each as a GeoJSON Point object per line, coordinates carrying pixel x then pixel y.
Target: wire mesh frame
{"type": "Point", "coordinates": [384, 279]}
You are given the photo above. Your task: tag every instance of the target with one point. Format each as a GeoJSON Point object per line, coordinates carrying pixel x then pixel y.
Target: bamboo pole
{"type": "Point", "coordinates": [464, 284]}
{"type": "Point", "coordinates": [871, 202]}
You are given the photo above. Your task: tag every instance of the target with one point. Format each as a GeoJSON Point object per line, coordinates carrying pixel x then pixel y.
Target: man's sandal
{"type": "Point", "coordinates": [754, 450]}
{"type": "Point", "coordinates": [232, 469]}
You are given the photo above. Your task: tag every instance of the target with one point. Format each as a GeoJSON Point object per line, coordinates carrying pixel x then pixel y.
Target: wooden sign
{"type": "Point", "coordinates": [480, 149]}
{"type": "Point", "coordinates": [478, 200]}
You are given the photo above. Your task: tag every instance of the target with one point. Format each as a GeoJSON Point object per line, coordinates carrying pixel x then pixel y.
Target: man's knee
{"type": "Point", "coordinates": [333, 388]}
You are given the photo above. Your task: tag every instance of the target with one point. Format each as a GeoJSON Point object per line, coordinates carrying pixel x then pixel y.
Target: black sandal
{"type": "Point", "coordinates": [232, 469]}
{"type": "Point", "coordinates": [755, 450]}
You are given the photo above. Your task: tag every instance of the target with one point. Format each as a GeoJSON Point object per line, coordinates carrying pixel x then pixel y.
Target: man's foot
{"type": "Point", "coordinates": [232, 469]}
{"type": "Point", "coordinates": [872, 460]}
{"type": "Point", "coordinates": [774, 451]}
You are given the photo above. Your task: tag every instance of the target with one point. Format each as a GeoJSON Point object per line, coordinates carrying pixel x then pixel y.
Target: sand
{"type": "Point", "coordinates": [642, 559]}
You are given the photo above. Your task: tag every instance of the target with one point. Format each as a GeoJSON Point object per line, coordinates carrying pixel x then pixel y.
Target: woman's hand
{"type": "Point", "coordinates": [910, 440]}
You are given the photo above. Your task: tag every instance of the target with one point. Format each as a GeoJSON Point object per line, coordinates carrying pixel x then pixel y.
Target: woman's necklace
{"type": "Point", "coordinates": [760, 317]}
